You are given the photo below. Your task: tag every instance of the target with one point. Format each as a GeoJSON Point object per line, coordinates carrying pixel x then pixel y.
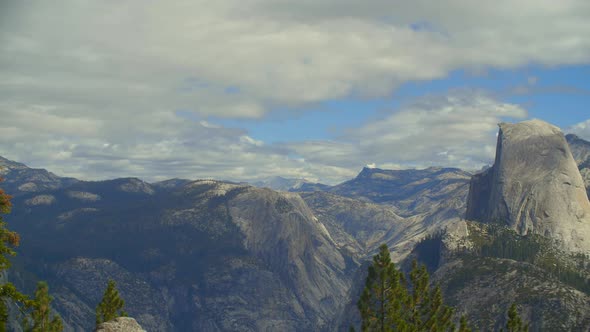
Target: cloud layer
{"type": "Point", "coordinates": [93, 89]}
{"type": "Point", "coordinates": [581, 129]}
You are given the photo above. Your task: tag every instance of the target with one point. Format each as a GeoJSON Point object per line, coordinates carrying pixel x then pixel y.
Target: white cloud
{"type": "Point", "coordinates": [457, 129]}
{"type": "Point", "coordinates": [581, 129]}
{"type": "Point", "coordinates": [184, 54]}
{"type": "Point", "coordinates": [91, 88]}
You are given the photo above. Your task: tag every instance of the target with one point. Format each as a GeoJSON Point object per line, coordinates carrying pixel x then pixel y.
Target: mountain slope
{"type": "Point", "coordinates": [206, 256]}
{"type": "Point", "coordinates": [20, 179]}
{"type": "Point", "coordinates": [410, 191]}
{"type": "Point", "coordinates": [491, 266]}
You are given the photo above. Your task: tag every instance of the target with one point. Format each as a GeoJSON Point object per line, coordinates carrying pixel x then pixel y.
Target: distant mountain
{"type": "Point", "coordinates": [294, 185]}
{"type": "Point", "coordinates": [579, 147]}
{"type": "Point", "coordinates": [171, 184]}
{"type": "Point", "coordinates": [410, 191]}
{"type": "Point", "coordinates": [581, 152]}
{"type": "Point", "coordinates": [20, 179]}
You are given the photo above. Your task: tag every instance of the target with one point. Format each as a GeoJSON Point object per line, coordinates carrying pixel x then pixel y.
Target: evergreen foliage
{"type": "Point", "coordinates": [389, 303]}
{"type": "Point", "coordinates": [111, 305]}
{"type": "Point", "coordinates": [508, 244]}
{"type": "Point", "coordinates": [515, 323]}
{"type": "Point", "coordinates": [8, 241]}
{"type": "Point", "coordinates": [383, 295]}
{"type": "Point", "coordinates": [505, 243]}
{"type": "Point", "coordinates": [429, 313]}
{"type": "Point", "coordinates": [41, 318]}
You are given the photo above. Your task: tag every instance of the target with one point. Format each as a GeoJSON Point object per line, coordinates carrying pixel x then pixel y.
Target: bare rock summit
{"type": "Point", "coordinates": [534, 186]}
{"type": "Point", "coordinates": [120, 324]}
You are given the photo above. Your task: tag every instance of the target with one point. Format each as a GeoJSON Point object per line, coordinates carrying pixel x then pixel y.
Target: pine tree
{"type": "Point", "coordinates": [111, 305]}
{"type": "Point", "coordinates": [41, 318]}
{"type": "Point", "coordinates": [8, 240]}
{"type": "Point", "coordinates": [383, 295]}
{"type": "Point", "coordinates": [515, 323]}
{"type": "Point", "coordinates": [386, 304]}
{"type": "Point", "coordinates": [426, 307]}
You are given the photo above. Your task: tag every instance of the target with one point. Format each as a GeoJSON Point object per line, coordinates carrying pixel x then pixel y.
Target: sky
{"type": "Point", "coordinates": [315, 89]}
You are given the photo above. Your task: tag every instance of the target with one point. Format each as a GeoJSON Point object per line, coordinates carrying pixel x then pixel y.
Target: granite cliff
{"type": "Point", "coordinates": [534, 186]}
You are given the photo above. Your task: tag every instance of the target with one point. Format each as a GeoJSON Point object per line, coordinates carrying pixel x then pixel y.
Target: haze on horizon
{"type": "Point", "coordinates": [299, 89]}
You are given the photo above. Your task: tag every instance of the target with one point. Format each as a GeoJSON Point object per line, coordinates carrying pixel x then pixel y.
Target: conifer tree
{"type": "Point", "coordinates": [426, 307]}
{"type": "Point", "coordinates": [111, 305]}
{"type": "Point", "coordinates": [386, 304]}
{"type": "Point", "coordinates": [41, 318]}
{"type": "Point", "coordinates": [8, 240]}
{"type": "Point", "coordinates": [383, 295]}
{"type": "Point", "coordinates": [515, 323]}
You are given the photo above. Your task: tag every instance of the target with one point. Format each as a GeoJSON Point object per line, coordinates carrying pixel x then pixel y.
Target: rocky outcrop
{"type": "Point", "coordinates": [120, 324]}
{"type": "Point", "coordinates": [534, 186]}
{"type": "Point", "coordinates": [83, 196]}
{"type": "Point", "coordinates": [40, 200]}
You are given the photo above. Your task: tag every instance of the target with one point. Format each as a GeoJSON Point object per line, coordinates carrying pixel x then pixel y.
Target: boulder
{"type": "Point", "coordinates": [120, 324]}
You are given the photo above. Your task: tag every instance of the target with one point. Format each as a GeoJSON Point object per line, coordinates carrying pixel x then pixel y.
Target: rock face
{"type": "Point", "coordinates": [120, 324]}
{"type": "Point", "coordinates": [534, 186]}
{"type": "Point", "coordinates": [581, 152]}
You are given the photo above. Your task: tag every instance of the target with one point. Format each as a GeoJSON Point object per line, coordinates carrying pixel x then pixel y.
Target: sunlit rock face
{"type": "Point", "coordinates": [534, 186]}
{"type": "Point", "coordinates": [120, 324]}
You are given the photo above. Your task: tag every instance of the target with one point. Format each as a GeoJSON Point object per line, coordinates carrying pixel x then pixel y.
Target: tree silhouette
{"type": "Point", "coordinates": [41, 317]}
{"type": "Point", "coordinates": [111, 305]}
{"type": "Point", "coordinates": [8, 241]}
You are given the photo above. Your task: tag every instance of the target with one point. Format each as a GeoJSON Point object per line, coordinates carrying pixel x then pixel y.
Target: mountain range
{"type": "Point", "coordinates": [290, 255]}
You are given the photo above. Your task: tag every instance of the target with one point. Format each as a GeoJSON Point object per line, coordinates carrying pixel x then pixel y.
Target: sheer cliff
{"type": "Point", "coordinates": [534, 186]}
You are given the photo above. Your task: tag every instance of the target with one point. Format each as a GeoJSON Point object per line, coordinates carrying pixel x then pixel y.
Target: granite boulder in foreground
{"type": "Point", "coordinates": [120, 324]}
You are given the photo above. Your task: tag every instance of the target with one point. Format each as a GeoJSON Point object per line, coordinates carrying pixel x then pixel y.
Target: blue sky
{"type": "Point", "coordinates": [559, 95]}
{"type": "Point", "coordinates": [302, 89]}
